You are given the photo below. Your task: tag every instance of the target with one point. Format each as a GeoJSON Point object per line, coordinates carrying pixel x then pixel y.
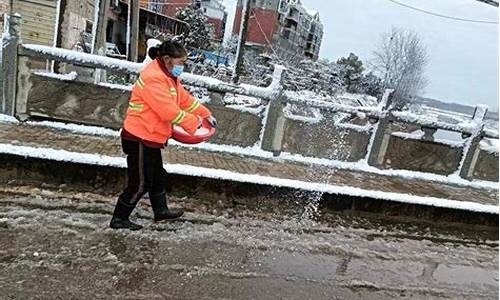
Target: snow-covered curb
{"type": "Point", "coordinates": [257, 152]}
{"type": "Point", "coordinates": [103, 160]}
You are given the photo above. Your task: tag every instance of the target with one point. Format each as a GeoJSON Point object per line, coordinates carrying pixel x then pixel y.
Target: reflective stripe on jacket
{"type": "Point", "coordinates": [158, 102]}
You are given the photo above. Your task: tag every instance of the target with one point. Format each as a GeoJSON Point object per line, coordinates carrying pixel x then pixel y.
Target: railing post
{"type": "Point", "coordinates": [428, 133]}
{"type": "Point", "coordinates": [216, 98]}
{"type": "Point", "coordinates": [274, 129]}
{"type": "Point", "coordinates": [380, 138]}
{"type": "Point", "coordinates": [471, 148]}
{"type": "Point", "coordinates": [9, 64]}
{"type": "Point", "coordinates": [23, 88]}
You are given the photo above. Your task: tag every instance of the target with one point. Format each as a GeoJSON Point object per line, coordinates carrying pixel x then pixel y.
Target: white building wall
{"type": "Point", "coordinates": [213, 9]}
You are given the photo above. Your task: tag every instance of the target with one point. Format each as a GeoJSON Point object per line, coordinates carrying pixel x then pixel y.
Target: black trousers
{"type": "Point", "coordinates": [145, 172]}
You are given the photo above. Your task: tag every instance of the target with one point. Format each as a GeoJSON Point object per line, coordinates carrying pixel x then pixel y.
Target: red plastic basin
{"type": "Point", "coordinates": [203, 134]}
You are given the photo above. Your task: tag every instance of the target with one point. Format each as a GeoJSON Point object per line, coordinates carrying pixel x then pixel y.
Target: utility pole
{"type": "Point", "coordinates": [134, 30]}
{"type": "Point", "coordinates": [238, 64]}
{"type": "Point", "coordinates": [100, 24]}
{"type": "Point", "coordinates": [61, 6]}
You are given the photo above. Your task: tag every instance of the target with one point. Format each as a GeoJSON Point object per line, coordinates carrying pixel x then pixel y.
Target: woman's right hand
{"type": "Point", "coordinates": [213, 121]}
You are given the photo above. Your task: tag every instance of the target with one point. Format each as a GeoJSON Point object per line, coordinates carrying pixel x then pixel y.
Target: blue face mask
{"type": "Point", "coordinates": [177, 70]}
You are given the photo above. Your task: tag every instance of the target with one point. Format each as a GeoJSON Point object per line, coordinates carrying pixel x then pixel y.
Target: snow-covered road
{"type": "Point", "coordinates": [57, 245]}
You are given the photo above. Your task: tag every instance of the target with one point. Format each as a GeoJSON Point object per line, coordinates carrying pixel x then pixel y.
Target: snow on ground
{"type": "Point", "coordinates": [245, 248]}
{"type": "Point", "coordinates": [103, 160]}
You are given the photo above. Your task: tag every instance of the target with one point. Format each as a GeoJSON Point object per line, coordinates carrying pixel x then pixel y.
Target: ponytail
{"type": "Point", "coordinates": [154, 52]}
{"type": "Point", "coordinates": [170, 48]}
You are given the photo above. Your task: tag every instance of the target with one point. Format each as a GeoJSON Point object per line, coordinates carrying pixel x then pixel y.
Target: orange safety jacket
{"type": "Point", "coordinates": [158, 102]}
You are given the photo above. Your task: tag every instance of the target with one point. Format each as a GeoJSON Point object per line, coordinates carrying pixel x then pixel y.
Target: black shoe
{"type": "Point", "coordinates": [169, 214]}
{"type": "Point", "coordinates": [161, 212]}
{"type": "Point", "coordinates": [121, 215]}
{"type": "Point", "coordinates": [117, 223]}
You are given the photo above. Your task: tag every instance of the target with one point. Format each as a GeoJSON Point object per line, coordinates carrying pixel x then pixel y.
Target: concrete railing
{"type": "Point", "coordinates": [20, 81]}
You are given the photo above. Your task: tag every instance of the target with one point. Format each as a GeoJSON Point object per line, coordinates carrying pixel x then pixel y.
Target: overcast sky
{"type": "Point", "coordinates": [463, 64]}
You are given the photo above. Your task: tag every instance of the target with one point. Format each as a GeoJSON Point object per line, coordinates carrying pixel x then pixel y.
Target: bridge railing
{"type": "Point", "coordinates": [16, 57]}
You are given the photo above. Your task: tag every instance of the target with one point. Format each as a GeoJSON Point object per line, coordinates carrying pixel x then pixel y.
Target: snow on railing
{"type": "Point", "coordinates": [225, 87]}
{"type": "Point", "coordinates": [369, 111]}
{"type": "Point", "coordinates": [490, 145]}
{"type": "Point", "coordinates": [315, 112]}
{"type": "Point", "coordinates": [90, 60]}
{"type": "Point", "coordinates": [409, 117]}
{"type": "Point", "coordinates": [490, 132]}
{"type": "Point", "coordinates": [420, 135]}
{"type": "Point", "coordinates": [268, 93]}
{"type": "Point", "coordinates": [127, 67]}
{"type": "Point", "coordinates": [468, 127]}
{"type": "Point", "coordinates": [65, 77]}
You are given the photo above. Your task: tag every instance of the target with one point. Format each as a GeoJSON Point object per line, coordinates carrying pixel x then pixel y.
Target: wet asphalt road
{"type": "Point", "coordinates": [57, 245]}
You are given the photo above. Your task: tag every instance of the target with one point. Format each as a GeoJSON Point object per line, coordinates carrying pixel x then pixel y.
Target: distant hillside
{"type": "Point", "coordinates": [455, 107]}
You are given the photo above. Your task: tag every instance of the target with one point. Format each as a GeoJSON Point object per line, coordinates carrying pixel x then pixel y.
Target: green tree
{"type": "Point", "coordinates": [200, 30]}
{"type": "Point", "coordinates": [352, 70]}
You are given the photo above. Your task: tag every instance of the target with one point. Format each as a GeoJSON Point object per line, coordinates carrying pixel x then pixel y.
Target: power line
{"type": "Point", "coordinates": [490, 2]}
{"type": "Point", "coordinates": [442, 16]}
{"type": "Point", "coordinates": [262, 31]}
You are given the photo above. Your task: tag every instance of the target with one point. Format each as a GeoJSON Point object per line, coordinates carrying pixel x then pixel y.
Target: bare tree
{"type": "Point", "coordinates": [400, 61]}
